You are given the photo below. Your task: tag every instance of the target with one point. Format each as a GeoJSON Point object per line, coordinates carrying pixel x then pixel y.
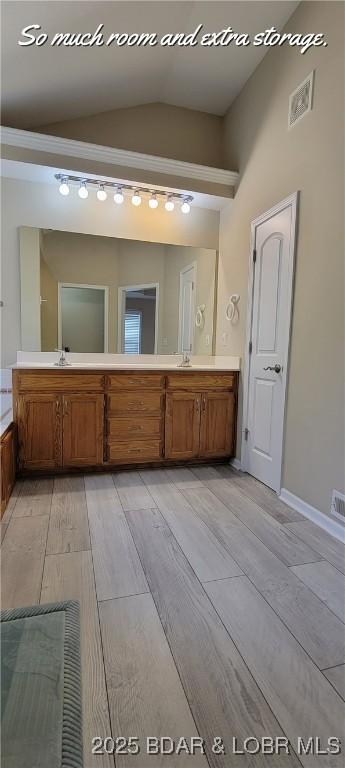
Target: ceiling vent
{"type": "Point", "coordinates": [300, 101]}
{"type": "Point", "coordinates": [338, 505]}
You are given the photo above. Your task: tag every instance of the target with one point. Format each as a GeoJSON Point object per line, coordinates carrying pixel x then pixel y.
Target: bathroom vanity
{"type": "Point", "coordinates": [97, 417]}
{"type": "Point", "coordinates": [123, 399]}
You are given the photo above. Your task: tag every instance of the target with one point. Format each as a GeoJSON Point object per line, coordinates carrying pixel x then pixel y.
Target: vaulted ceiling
{"type": "Point", "coordinates": [45, 84]}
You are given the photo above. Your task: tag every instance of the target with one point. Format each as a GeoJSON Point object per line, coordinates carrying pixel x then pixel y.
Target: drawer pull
{"type": "Point", "coordinates": [135, 429]}
{"type": "Point", "coordinates": [134, 450]}
{"type": "Point", "coordinates": [136, 403]}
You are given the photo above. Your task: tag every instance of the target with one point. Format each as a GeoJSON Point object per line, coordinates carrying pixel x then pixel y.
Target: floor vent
{"type": "Point", "coordinates": [338, 505]}
{"type": "Point", "coordinates": [300, 101]}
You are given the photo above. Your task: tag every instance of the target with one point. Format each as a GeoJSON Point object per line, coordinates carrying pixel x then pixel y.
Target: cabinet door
{"type": "Point", "coordinates": [182, 425]}
{"type": "Point", "coordinates": [83, 419]}
{"type": "Point", "coordinates": [217, 424]}
{"type": "Point", "coordinates": [39, 431]}
{"type": "Point", "coordinates": [8, 468]}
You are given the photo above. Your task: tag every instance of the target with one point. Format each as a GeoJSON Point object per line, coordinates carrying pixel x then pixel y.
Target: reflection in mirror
{"type": "Point", "coordinates": [88, 293]}
{"type": "Point", "coordinates": [138, 319]}
{"type": "Point", "coordinates": [82, 318]}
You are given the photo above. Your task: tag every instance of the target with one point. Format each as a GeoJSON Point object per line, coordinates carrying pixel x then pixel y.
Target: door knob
{"type": "Point", "coordinates": [277, 368]}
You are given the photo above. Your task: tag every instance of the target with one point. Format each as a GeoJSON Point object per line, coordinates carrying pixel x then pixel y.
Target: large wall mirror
{"type": "Point", "coordinates": [86, 293]}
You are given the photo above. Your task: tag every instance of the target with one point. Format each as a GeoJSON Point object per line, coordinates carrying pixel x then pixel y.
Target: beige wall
{"type": "Point", "coordinates": [274, 162]}
{"type": "Point", "coordinates": [49, 308]}
{"type": "Point", "coordinates": [40, 206]}
{"type": "Point", "coordinates": [30, 287]}
{"type": "Point", "coordinates": [155, 129]}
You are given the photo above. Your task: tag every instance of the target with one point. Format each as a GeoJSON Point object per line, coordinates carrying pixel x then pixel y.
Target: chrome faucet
{"type": "Point", "coordinates": [185, 362]}
{"type": "Point", "coordinates": [61, 362]}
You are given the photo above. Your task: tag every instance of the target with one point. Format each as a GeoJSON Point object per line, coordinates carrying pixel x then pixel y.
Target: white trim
{"type": "Point", "coordinates": [313, 514]}
{"type": "Point", "coordinates": [293, 201]}
{"type": "Point", "coordinates": [194, 266]}
{"type": "Point", "coordinates": [236, 464]}
{"type": "Point", "coordinates": [104, 288]}
{"type": "Point", "coordinates": [121, 157]}
{"type": "Point", "coordinates": [120, 315]}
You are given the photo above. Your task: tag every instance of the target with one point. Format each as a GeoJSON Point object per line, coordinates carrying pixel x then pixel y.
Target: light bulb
{"type": "Point", "coordinates": [185, 207]}
{"type": "Point", "coordinates": [101, 193]}
{"type": "Point", "coordinates": [64, 187]}
{"type": "Point", "coordinates": [153, 202]}
{"type": "Point", "coordinates": [136, 199]}
{"type": "Point", "coordinates": [118, 197]}
{"type": "Point", "coordinates": [82, 191]}
{"type": "Point", "coordinates": [169, 205]}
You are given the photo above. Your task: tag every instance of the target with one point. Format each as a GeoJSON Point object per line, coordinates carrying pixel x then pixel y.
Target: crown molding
{"type": "Point", "coordinates": [41, 142]}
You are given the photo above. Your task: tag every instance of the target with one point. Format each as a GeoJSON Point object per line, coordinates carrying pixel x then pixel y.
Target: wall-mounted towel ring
{"type": "Point", "coordinates": [199, 316]}
{"type": "Point", "coordinates": [232, 311]}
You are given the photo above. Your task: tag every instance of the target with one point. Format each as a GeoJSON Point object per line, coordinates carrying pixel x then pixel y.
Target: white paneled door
{"type": "Point", "coordinates": [187, 308]}
{"type": "Point", "coordinates": [268, 343]}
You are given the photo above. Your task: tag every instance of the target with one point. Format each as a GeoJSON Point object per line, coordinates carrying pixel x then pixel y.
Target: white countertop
{"type": "Point", "coordinates": [46, 360]}
{"type": "Point", "coordinates": [123, 367]}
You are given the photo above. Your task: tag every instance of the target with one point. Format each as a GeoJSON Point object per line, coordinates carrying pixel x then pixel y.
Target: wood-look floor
{"type": "Point", "coordinates": [208, 608]}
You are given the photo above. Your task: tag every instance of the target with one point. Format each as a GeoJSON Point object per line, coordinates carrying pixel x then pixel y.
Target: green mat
{"type": "Point", "coordinates": [40, 687]}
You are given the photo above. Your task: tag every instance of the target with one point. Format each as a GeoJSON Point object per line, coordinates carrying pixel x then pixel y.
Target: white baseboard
{"type": "Point", "coordinates": [236, 464]}
{"type": "Point", "coordinates": [313, 514]}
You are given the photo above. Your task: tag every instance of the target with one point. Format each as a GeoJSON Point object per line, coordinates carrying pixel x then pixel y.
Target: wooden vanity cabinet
{"type": "Point", "coordinates": [39, 430]}
{"type": "Point", "coordinates": [182, 425]}
{"type": "Point", "coordinates": [8, 465]}
{"type": "Point", "coordinates": [200, 424]}
{"type": "Point", "coordinates": [58, 429]}
{"type": "Point", "coordinates": [82, 429]}
{"type": "Point", "coordinates": [69, 419]}
{"type": "Point", "coordinates": [217, 423]}
{"type": "Point", "coordinates": [135, 417]}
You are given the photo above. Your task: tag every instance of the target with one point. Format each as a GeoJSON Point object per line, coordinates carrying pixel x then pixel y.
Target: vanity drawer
{"type": "Point", "coordinates": [60, 382]}
{"type": "Point", "coordinates": [201, 381]}
{"type": "Point", "coordinates": [122, 428]}
{"type": "Point", "coordinates": [125, 381]}
{"type": "Point", "coordinates": [149, 403]}
{"type": "Point", "coordinates": [128, 451]}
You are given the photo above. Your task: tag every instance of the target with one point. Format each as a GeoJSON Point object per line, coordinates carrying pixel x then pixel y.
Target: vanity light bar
{"type": "Point", "coordinates": [136, 193]}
